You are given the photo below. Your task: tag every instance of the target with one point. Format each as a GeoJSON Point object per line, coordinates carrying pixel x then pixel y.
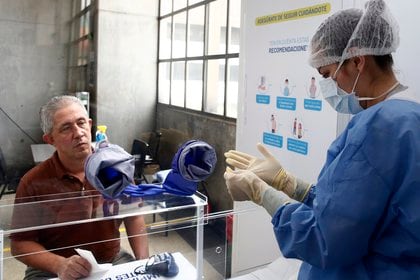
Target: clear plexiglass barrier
{"type": "Point", "coordinates": [200, 242]}
{"type": "Point", "coordinates": [40, 212]}
{"type": "Point", "coordinates": [174, 224]}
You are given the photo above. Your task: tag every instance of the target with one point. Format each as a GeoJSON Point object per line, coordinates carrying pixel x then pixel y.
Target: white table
{"type": "Point", "coordinates": [126, 271]}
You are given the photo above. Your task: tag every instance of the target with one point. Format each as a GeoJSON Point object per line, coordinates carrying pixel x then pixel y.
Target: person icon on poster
{"type": "Point", "coordinates": [262, 87]}
{"type": "Point", "coordinates": [273, 124]}
{"type": "Point", "coordinates": [300, 131]}
{"type": "Point", "coordinates": [286, 90]}
{"type": "Point", "coordinates": [312, 88]}
{"type": "Point", "coordinates": [297, 128]}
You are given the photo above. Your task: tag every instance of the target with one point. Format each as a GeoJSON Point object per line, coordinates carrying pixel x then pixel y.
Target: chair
{"type": "Point", "coordinates": [142, 157]}
{"type": "Point", "coordinates": [154, 144]}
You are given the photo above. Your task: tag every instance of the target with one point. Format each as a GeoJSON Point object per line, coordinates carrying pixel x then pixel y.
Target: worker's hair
{"type": "Point", "coordinates": [385, 62]}
{"type": "Point", "coordinates": [51, 107]}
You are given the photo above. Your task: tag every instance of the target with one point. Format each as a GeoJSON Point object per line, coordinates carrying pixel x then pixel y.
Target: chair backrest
{"type": "Point", "coordinates": [154, 144]}
{"type": "Point", "coordinates": [139, 150]}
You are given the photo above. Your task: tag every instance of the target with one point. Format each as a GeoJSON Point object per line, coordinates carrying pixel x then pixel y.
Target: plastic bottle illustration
{"type": "Point", "coordinates": [312, 88]}
{"type": "Point", "coordinates": [286, 90]}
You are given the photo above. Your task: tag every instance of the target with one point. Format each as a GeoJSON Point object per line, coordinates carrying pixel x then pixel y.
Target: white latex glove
{"type": "Point", "coordinates": [266, 168]}
{"type": "Point", "coordinates": [269, 170]}
{"type": "Point", "coordinates": [244, 185]}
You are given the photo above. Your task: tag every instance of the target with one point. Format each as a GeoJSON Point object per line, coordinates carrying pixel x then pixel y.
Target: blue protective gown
{"type": "Point", "coordinates": [362, 218]}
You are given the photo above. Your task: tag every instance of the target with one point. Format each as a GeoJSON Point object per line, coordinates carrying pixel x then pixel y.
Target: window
{"type": "Point", "coordinates": [81, 66]}
{"type": "Point", "coordinates": [199, 55]}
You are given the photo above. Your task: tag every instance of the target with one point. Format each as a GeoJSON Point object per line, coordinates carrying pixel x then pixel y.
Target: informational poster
{"type": "Point", "coordinates": [283, 104]}
{"type": "Point", "coordinates": [281, 107]}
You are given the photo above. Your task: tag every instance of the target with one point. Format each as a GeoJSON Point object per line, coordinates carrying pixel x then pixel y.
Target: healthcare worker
{"type": "Point", "coordinates": [361, 219]}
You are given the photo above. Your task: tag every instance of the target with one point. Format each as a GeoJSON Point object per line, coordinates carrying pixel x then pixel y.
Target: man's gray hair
{"type": "Point", "coordinates": [51, 107]}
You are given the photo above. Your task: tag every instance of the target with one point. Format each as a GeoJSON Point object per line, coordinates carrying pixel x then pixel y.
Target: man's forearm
{"type": "Point", "coordinates": [137, 236]}
{"type": "Point", "coordinates": [35, 255]}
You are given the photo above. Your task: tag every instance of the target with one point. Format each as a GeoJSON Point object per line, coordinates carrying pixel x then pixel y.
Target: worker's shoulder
{"type": "Point", "coordinates": [400, 105]}
{"type": "Point", "coordinates": [390, 119]}
{"type": "Point", "coordinates": [393, 111]}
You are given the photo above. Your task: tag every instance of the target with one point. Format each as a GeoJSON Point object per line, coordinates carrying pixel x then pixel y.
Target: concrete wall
{"type": "Point", "coordinates": [218, 133]}
{"type": "Point", "coordinates": [33, 68]}
{"type": "Point", "coordinates": [126, 68]}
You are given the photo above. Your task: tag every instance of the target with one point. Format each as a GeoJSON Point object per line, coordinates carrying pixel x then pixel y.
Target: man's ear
{"type": "Point", "coordinates": [48, 139]}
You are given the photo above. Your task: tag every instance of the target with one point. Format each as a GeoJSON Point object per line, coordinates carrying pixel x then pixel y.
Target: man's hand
{"type": "Point", "coordinates": [72, 268]}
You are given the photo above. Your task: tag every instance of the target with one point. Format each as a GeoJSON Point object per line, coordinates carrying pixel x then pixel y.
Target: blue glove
{"type": "Point", "coordinates": [193, 162]}
{"type": "Point", "coordinates": [143, 190]}
{"type": "Point", "coordinates": [109, 169]}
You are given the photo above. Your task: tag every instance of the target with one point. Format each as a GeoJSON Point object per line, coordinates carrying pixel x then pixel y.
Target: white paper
{"type": "Point", "coordinates": [91, 259]}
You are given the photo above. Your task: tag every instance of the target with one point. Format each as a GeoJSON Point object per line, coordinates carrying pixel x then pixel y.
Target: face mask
{"type": "Point", "coordinates": [340, 100]}
{"type": "Point", "coordinates": [343, 102]}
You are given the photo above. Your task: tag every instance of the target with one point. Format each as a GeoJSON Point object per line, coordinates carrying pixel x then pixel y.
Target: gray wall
{"type": "Point", "coordinates": [126, 68]}
{"type": "Point", "coordinates": [218, 133]}
{"type": "Point", "coordinates": [33, 68]}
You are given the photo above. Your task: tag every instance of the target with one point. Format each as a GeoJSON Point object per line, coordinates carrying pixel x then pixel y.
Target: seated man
{"type": "Point", "coordinates": [50, 252]}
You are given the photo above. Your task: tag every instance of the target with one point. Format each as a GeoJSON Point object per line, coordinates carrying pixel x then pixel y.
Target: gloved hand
{"type": "Point", "coordinates": [244, 185]}
{"type": "Point", "coordinates": [269, 170]}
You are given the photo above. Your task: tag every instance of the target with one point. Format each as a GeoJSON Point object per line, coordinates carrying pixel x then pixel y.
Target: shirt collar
{"type": "Point", "coordinates": [60, 170]}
